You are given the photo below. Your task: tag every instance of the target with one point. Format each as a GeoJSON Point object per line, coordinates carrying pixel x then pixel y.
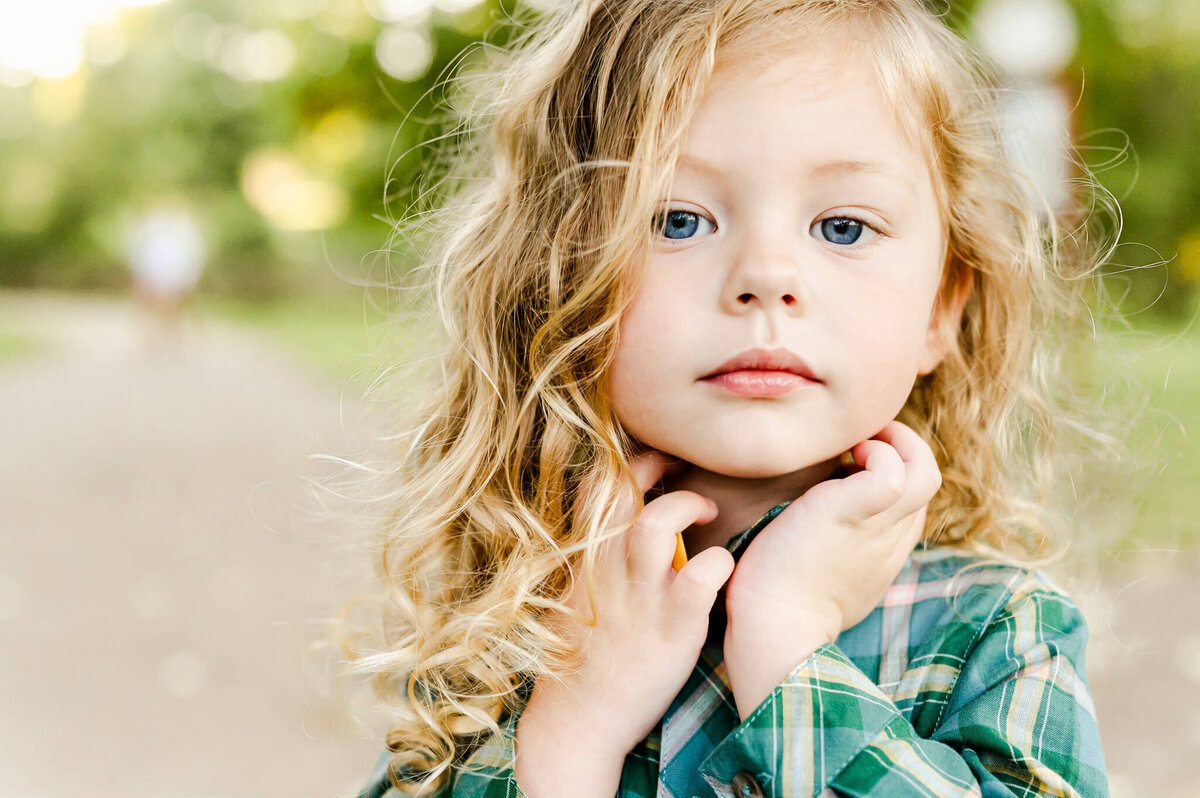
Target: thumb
{"type": "Point", "coordinates": [695, 587]}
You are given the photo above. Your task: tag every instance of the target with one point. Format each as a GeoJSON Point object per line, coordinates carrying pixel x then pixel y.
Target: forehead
{"type": "Point", "coordinates": [831, 55]}
{"type": "Point", "coordinates": [818, 107]}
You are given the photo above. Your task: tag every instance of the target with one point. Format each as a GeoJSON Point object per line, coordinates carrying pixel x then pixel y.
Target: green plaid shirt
{"type": "Point", "coordinates": [966, 679]}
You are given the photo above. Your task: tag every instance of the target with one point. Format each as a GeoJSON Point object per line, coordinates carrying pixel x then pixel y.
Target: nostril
{"type": "Point", "coordinates": [788, 299]}
{"type": "Point", "coordinates": [744, 298]}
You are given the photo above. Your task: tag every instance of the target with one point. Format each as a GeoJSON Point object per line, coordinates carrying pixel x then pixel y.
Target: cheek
{"type": "Point", "coordinates": [631, 377]}
{"type": "Point", "coordinates": [661, 306]}
{"type": "Point", "coordinates": [883, 343]}
{"type": "Point", "coordinates": [651, 359]}
{"type": "Point", "coordinates": [638, 399]}
{"type": "Point", "coordinates": [888, 332]}
{"type": "Point", "coordinates": [623, 375]}
{"type": "Point", "coordinates": [651, 331]}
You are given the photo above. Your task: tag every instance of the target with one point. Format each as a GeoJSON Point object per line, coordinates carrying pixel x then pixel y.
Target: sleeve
{"type": "Point", "coordinates": [1017, 722]}
{"type": "Point", "coordinates": [487, 773]}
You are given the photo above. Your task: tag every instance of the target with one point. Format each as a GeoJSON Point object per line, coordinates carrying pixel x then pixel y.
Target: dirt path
{"type": "Point", "coordinates": [158, 587]}
{"type": "Point", "coordinates": [159, 583]}
{"type": "Point", "coordinates": [1144, 669]}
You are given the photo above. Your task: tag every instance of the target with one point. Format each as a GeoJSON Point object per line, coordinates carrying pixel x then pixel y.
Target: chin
{"type": "Point", "coordinates": [758, 464]}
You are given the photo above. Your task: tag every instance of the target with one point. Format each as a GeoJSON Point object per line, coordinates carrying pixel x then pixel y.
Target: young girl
{"type": "Point", "coordinates": [744, 427]}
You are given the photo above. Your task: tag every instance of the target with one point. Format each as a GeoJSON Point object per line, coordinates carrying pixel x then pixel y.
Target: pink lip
{"type": "Point", "coordinates": [758, 382]}
{"type": "Point", "coordinates": [760, 359]}
{"type": "Point", "coordinates": [762, 372]}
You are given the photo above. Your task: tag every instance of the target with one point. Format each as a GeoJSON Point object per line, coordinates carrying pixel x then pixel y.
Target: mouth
{"type": "Point", "coordinates": [758, 383]}
{"type": "Point", "coordinates": [762, 373]}
{"type": "Point", "coordinates": [766, 360]}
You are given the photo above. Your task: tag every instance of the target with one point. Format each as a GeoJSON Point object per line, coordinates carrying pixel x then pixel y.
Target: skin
{"type": "Point", "coordinates": [757, 253]}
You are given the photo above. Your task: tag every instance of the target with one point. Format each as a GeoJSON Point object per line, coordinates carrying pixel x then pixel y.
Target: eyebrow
{"type": "Point", "coordinates": [829, 168]}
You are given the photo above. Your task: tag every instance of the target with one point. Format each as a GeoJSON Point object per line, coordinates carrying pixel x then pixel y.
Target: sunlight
{"type": "Point", "coordinates": [46, 39]}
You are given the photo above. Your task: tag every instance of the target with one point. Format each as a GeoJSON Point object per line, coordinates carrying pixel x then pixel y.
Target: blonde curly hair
{"type": "Point", "coordinates": [565, 149]}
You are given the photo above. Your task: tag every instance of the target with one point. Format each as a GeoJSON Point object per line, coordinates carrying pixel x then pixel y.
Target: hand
{"type": "Point", "coordinates": [651, 621]}
{"type": "Point", "coordinates": [823, 563]}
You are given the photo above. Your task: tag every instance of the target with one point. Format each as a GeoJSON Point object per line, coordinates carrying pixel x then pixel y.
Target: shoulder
{"type": "Point", "coordinates": [952, 589]}
{"type": "Point", "coordinates": [955, 574]}
{"type": "Point", "coordinates": [1006, 610]}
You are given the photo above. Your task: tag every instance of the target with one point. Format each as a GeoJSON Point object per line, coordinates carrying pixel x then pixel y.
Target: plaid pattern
{"type": "Point", "coordinates": [966, 679]}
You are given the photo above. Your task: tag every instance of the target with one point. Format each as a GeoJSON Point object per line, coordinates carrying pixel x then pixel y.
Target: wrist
{"type": "Point", "coordinates": [762, 642]}
{"type": "Point", "coordinates": [556, 714]}
{"type": "Point", "coordinates": [761, 650]}
{"type": "Point", "coordinates": [812, 618]}
{"type": "Point", "coordinates": [556, 754]}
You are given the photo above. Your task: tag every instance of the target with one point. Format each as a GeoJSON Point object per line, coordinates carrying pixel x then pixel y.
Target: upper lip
{"type": "Point", "coordinates": [766, 360]}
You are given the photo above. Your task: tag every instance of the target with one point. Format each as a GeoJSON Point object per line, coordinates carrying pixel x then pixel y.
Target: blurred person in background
{"type": "Point", "coordinates": [166, 253]}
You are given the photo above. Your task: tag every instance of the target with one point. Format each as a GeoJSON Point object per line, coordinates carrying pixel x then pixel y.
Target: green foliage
{"type": "Point", "coordinates": [1138, 79]}
{"type": "Point", "coordinates": [81, 159]}
{"type": "Point", "coordinates": [160, 127]}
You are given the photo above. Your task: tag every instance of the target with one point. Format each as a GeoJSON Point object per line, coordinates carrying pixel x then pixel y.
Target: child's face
{"type": "Point", "coordinates": [815, 229]}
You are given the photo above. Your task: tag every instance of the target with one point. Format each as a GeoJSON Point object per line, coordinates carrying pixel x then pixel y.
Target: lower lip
{"type": "Point", "coordinates": [753, 382]}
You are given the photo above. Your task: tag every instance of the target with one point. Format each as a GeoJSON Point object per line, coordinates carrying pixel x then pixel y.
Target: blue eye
{"type": "Point", "coordinates": [843, 230]}
{"type": "Point", "coordinates": [679, 225]}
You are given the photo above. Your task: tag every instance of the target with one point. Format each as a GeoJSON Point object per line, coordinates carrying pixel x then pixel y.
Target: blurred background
{"type": "Point", "coordinates": [193, 199]}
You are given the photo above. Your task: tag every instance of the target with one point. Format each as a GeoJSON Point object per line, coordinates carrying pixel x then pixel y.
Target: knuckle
{"type": "Point", "coordinates": [892, 486]}
{"type": "Point", "coordinates": [927, 482]}
{"type": "Point", "coordinates": [670, 505]}
{"type": "Point", "coordinates": [645, 525]}
{"type": "Point", "coordinates": [689, 579]}
{"type": "Point", "coordinates": [690, 497]}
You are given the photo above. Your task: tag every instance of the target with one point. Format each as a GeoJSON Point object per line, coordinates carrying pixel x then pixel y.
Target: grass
{"type": "Point", "coordinates": [1169, 363]}
{"type": "Point", "coordinates": [337, 335]}
{"type": "Point", "coordinates": [16, 345]}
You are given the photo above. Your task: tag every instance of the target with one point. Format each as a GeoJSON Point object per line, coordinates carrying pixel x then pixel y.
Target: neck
{"type": "Point", "coordinates": [741, 501]}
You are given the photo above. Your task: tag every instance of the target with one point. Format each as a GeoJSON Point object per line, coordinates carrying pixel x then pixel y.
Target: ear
{"type": "Point", "coordinates": [946, 318]}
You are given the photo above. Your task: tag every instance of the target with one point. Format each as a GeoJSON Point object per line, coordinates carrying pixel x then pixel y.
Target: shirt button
{"type": "Point", "coordinates": [746, 786]}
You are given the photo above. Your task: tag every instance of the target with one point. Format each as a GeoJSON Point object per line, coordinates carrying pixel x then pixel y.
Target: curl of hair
{"type": "Point", "coordinates": [514, 463]}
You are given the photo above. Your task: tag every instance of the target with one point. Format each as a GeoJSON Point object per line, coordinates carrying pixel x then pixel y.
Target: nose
{"type": "Point", "coordinates": [765, 278]}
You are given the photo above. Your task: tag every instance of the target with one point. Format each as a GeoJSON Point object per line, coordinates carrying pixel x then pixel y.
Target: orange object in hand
{"type": "Point", "coordinates": [680, 552]}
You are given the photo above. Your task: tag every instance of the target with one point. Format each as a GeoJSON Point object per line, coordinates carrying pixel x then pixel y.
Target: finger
{"type": "Point", "coordinates": [648, 469]}
{"type": "Point", "coordinates": [651, 545]}
{"type": "Point", "coordinates": [918, 529]}
{"type": "Point", "coordinates": [610, 572]}
{"type": "Point", "coordinates": [911, 530]}
{"type": "Point", "coordinates": [694, 589]}
{"type": "Point", "coordinates": [877, 487]}
{"type": "Point", "coordinates": [607, 570]}
{"type": "Point", "coordinates": [923, 477]}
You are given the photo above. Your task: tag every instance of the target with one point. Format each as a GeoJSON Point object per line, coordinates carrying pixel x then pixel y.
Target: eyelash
{"type": "Point", "coordinates": [661, 218]}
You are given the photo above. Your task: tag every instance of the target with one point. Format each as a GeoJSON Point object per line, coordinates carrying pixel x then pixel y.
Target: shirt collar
{"type": "Point", "coordinates": [738, 543]}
